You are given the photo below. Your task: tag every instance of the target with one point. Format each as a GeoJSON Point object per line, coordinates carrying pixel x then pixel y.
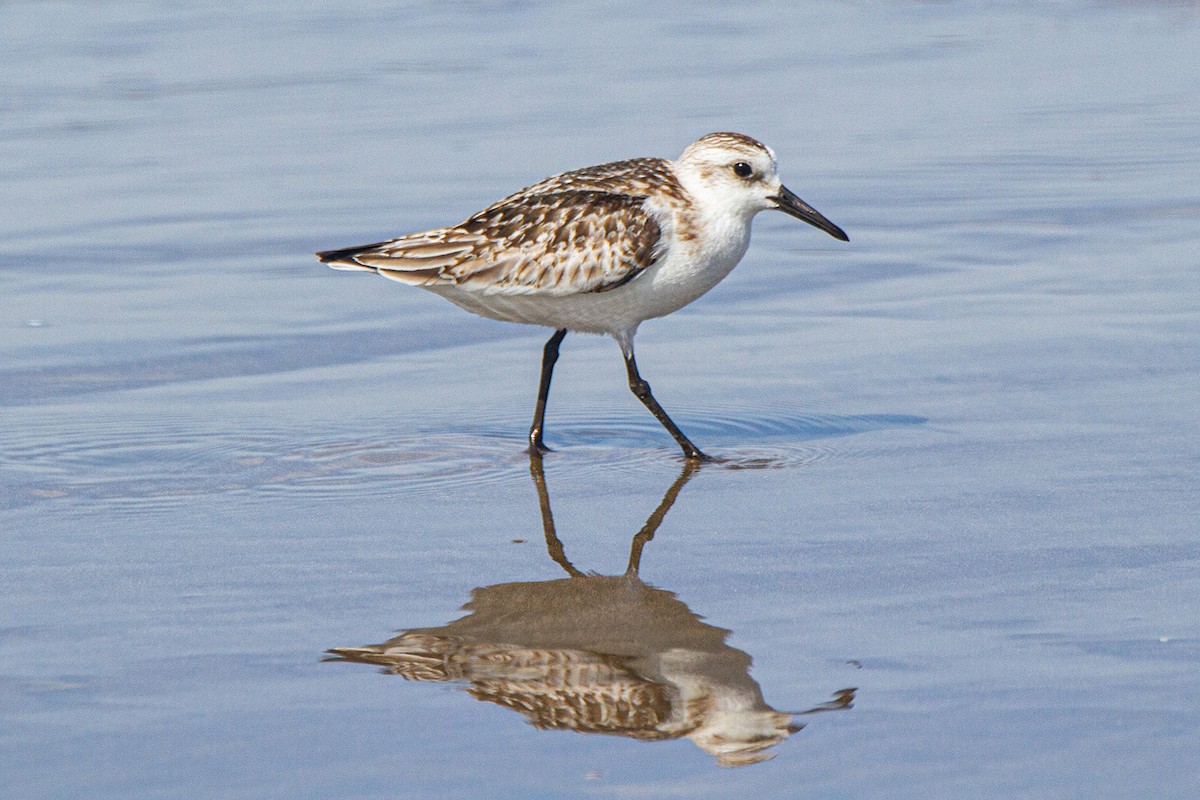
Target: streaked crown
{"type": "Point", "coordinates": [716, 147]}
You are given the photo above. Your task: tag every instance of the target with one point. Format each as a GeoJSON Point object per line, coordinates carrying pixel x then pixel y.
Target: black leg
{"type": "Point", "coordinates": [641, 390]}
{"type": "Point", "coordinates": [549, 356]}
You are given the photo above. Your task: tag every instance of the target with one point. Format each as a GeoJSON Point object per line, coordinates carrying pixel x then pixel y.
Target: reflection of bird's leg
{"type": "Point", "coordinates": [648, 530]}
{"type": "Point", "coordinates": [553, 544]}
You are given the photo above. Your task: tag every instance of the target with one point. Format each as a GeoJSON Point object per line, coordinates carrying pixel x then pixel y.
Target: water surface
{"type": "Point", "coordinates": [964, 446]}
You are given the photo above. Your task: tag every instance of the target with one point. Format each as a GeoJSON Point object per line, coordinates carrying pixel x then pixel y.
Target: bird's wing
{"type": "Point", "coordinates": [560, 243]}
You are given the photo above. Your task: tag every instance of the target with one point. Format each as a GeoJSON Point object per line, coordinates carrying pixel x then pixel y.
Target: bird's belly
{"type": "Point", "coordinates": [660, 290]}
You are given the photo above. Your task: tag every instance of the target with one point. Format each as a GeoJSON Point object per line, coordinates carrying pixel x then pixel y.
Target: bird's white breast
{"type": "Point", "coordinates": [704, 249]}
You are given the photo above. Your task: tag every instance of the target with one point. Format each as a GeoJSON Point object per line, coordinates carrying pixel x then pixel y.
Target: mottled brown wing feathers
{"type": "Point", "coordinates": [563, 242]}
{"type": "Point", "coordinates": [637, 177]}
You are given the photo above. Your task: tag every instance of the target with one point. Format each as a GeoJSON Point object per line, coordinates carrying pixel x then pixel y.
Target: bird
{"type": "Point", "coordinates": [599, 250]}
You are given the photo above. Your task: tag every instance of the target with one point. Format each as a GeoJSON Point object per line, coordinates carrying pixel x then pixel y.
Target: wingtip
{"type": "Point", "coordinates": [330, 256]}
{"type": "Point", "coordinates": [347, 255]}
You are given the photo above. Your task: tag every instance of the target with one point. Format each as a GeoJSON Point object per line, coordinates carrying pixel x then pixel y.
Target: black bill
{"type": "Point", "coordinates": [788, 203]}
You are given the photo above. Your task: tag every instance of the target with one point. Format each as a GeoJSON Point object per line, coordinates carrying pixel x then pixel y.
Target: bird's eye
{"type": "Point", "coordinates": [742, 169]}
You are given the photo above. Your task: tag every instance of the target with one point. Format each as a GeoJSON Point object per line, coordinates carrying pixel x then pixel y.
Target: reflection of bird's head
{"type": "Point", "coordinates": [738, 737]}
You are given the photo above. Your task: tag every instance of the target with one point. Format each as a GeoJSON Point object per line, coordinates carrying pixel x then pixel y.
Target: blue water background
{"type": "Point", "coordinates": [219, 459]}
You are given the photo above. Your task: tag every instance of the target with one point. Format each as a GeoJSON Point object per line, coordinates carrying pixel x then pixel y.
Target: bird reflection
{"type": "Point", "coordinates": [599, 654]}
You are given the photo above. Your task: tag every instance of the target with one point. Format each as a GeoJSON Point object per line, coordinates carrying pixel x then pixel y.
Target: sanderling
{"type": "Point", "coordinates": [599, 249]}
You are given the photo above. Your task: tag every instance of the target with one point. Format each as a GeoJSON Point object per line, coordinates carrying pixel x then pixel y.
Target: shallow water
{"type": "Point", "coordinates": [962, 449]}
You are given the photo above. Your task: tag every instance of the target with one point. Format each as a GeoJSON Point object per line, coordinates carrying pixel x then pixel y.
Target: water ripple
{"type": "Point", "coordinates": [148, 464]}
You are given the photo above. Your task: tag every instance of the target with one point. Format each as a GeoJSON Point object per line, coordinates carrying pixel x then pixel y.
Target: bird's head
{"type": "Point", "coordinates": [734, 173]}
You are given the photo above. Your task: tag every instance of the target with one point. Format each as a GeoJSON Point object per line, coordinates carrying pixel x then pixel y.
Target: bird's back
{"type": "Point", "coordinates": [635, 177]}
